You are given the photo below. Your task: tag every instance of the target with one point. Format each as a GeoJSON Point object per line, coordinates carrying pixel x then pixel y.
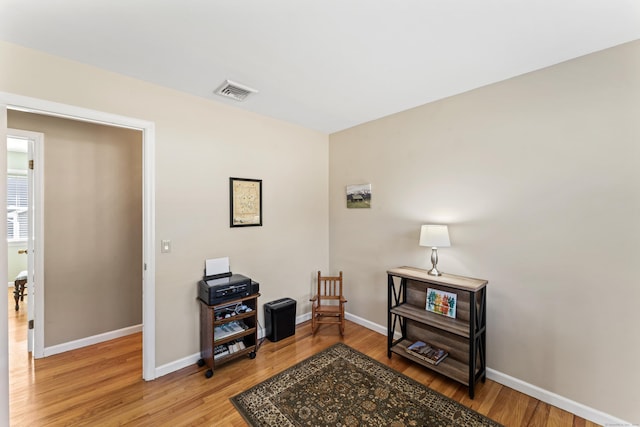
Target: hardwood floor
{"type": "Point", "coordinates": [102, 384]}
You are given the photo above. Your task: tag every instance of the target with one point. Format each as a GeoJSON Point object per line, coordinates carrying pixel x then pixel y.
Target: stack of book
{"type": "Point", "coordinates": [427, 352]}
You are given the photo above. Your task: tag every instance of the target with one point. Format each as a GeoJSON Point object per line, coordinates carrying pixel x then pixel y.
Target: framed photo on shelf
{"type": "Point", "coordinates": [245, 198]}
{"type": "Point", "coordinates": [441, 302]}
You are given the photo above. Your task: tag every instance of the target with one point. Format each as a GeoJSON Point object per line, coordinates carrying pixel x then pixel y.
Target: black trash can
{"type": "Point", "coordinates": [280, 318]}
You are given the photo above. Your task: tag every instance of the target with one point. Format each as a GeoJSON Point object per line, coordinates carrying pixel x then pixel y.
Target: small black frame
{"type": "Point", "coordinates": [245, 202]}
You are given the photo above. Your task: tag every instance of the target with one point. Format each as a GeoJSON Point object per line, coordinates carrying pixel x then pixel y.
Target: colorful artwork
{"type": "Point", "coordinates": [441, 302]}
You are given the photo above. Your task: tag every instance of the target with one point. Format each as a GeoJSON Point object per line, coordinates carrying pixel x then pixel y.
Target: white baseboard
{"type": "Point", "coordinates": [536, 392]}
{"type": "Point", "coordinates": [303, 318]}
{"type": "Point", "coordinates": [556, 400]}
{"type": "Point", "coordinates": [177, 365]}
{"type": "Point", "coordinates": [193, 359]}
{"type": "Point", "coordinates": [95, 339]}
{"type": "Point", "coordinates": [545, 396]}
{"type": "Point", "coordinates": [366, 323]}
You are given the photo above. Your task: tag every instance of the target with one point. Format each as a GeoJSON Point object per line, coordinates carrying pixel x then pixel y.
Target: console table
{"type": "Point", "coordinates": [463, 337]}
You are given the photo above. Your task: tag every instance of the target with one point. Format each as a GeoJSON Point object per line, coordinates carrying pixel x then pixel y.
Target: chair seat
{"type": "Point", "coordinates": [328, 309]}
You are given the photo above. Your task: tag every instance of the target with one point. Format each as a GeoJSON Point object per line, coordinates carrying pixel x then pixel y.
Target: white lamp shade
{"type": "Point", "coordinates": [435, 236]}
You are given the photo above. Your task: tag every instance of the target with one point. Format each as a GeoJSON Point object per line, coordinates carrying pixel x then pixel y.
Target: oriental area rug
{"type": "Point", "coordinates": [342, 387]}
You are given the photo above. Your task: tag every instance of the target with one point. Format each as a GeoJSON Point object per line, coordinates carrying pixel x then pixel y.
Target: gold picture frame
{"type": "Point", "coordinates": [245, 198]}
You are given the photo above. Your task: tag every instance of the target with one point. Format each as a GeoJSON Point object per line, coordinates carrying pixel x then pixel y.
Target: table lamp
{"type": "Point", "coordinates": [436, 236]}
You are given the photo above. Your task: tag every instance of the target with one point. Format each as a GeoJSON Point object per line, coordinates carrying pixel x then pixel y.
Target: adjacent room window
{"type": "Point", "coordinates": [17, 207]}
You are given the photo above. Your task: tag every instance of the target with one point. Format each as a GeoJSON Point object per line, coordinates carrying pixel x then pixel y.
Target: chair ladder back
{"type": "Point", "coordinates": [329, 287]}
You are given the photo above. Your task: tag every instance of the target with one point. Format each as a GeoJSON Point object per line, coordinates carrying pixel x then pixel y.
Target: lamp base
{"type": "Point", "coordinates": [434, 261]}
{"type": "Point", "coordinates": [434, 272]}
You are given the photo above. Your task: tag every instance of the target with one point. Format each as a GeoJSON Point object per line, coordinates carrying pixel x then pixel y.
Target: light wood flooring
{"type": "Point", "coordinates": [102, 384]}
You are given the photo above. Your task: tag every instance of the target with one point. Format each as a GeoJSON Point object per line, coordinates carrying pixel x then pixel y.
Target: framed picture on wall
{"type": "Point", "coordinates": [245, 198]}
{"type": "Point", "coordinates": [359, 196]}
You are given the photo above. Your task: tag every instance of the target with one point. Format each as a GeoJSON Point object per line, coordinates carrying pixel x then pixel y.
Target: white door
{"type": "Point", "coordinates": [31, 287]}
{"type": "Point", "coordinates": [35, 334]}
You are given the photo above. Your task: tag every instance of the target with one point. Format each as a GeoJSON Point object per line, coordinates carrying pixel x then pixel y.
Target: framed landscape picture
{"type": "Point", "coordinates": [245, 198]}
{"type": "Point", "coordinates": [359, 196]}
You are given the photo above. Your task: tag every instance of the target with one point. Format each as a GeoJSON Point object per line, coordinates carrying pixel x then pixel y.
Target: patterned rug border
{"type": "Point", "coordinates": [310, 366]}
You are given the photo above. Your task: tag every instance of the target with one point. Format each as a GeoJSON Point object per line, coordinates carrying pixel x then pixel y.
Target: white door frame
{"type": "Point", "coordinates": [34, 105]}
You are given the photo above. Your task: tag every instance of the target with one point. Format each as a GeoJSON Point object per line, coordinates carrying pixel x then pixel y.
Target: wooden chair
{"type": "Point", "coordinates": [328, 304]}
{"type": "Point", "coordinates": [19, 286]}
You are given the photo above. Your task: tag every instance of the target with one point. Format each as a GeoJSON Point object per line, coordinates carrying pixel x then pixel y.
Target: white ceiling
{"type": "Point", "coordinates": [327, 64]}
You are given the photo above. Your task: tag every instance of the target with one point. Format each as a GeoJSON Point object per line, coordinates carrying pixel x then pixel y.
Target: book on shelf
{"type": "Point", "coordinates": [427, 352]}
{"type": "Point", "coordinates": [219, 351]}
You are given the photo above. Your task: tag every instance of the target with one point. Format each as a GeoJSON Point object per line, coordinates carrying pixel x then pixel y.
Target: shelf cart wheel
{"type": "Point", "coordinates": [201, 363]}
{"type": "Point", "coordinates": [252, 355]}
{"type": "Point", "coordinates": [209, 373]}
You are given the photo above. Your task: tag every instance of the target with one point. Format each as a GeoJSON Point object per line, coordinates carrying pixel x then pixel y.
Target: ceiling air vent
{"type": "Point", "coordinates": [234, 90]}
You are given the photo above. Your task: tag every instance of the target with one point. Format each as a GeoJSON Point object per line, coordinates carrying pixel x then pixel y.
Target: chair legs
{"type": "Point", "coordinates": [315, 323]}
{"type": "Point", "coordinates": [19, 287]}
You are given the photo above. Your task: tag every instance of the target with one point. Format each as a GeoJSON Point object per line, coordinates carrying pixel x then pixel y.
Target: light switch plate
{"type": "Point", "coordinates": [165, 246]}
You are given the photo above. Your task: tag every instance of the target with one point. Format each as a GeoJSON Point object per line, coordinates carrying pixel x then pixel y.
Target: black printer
{"type": "Point", "coordinates": [219, 288]}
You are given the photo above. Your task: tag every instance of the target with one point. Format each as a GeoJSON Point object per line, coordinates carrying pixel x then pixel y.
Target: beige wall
{"type": "Point", "coordinates": [539, 180]}
{"type": "Point", "coordinates": [92, 226]}
{"type": "Point", "coordinates": [199, 145]}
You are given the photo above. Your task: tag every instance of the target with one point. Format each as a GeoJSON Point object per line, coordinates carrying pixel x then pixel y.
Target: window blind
{"type": "Point", "coordinates": [17, 207]}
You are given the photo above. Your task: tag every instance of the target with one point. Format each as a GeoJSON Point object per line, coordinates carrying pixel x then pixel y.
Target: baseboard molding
{"type": "Point", "coordinates": [536, 392]}
{"type": "Point", "coordinates": [303, 318]}
{"type": "Point", "coordinates": [366, 323]}
{"type": "Point", "coordinates": [177, 365]}
{"type": "Point", "coordinates": [556, 400]}
{"type": "Point", "coordinates": [193, 359]}
{"type": "Point", "coordinates": [95, 339]}
{"type": "Point", "coordinates": [545, 396]}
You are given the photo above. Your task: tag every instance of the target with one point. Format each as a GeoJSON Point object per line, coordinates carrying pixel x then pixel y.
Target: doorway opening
{"type": "Point", "coordinates": [20, 103]}
{"type": "Point", "coordinates": [92, 234]}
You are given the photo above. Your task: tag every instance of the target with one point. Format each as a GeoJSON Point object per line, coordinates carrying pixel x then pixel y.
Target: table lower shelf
{"type": "Point", "coordinates": [449, 367]}
{"type": "Point", "coordinates": [228, 357]}
{"type": "Point", "coordinates": [232, 337]}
